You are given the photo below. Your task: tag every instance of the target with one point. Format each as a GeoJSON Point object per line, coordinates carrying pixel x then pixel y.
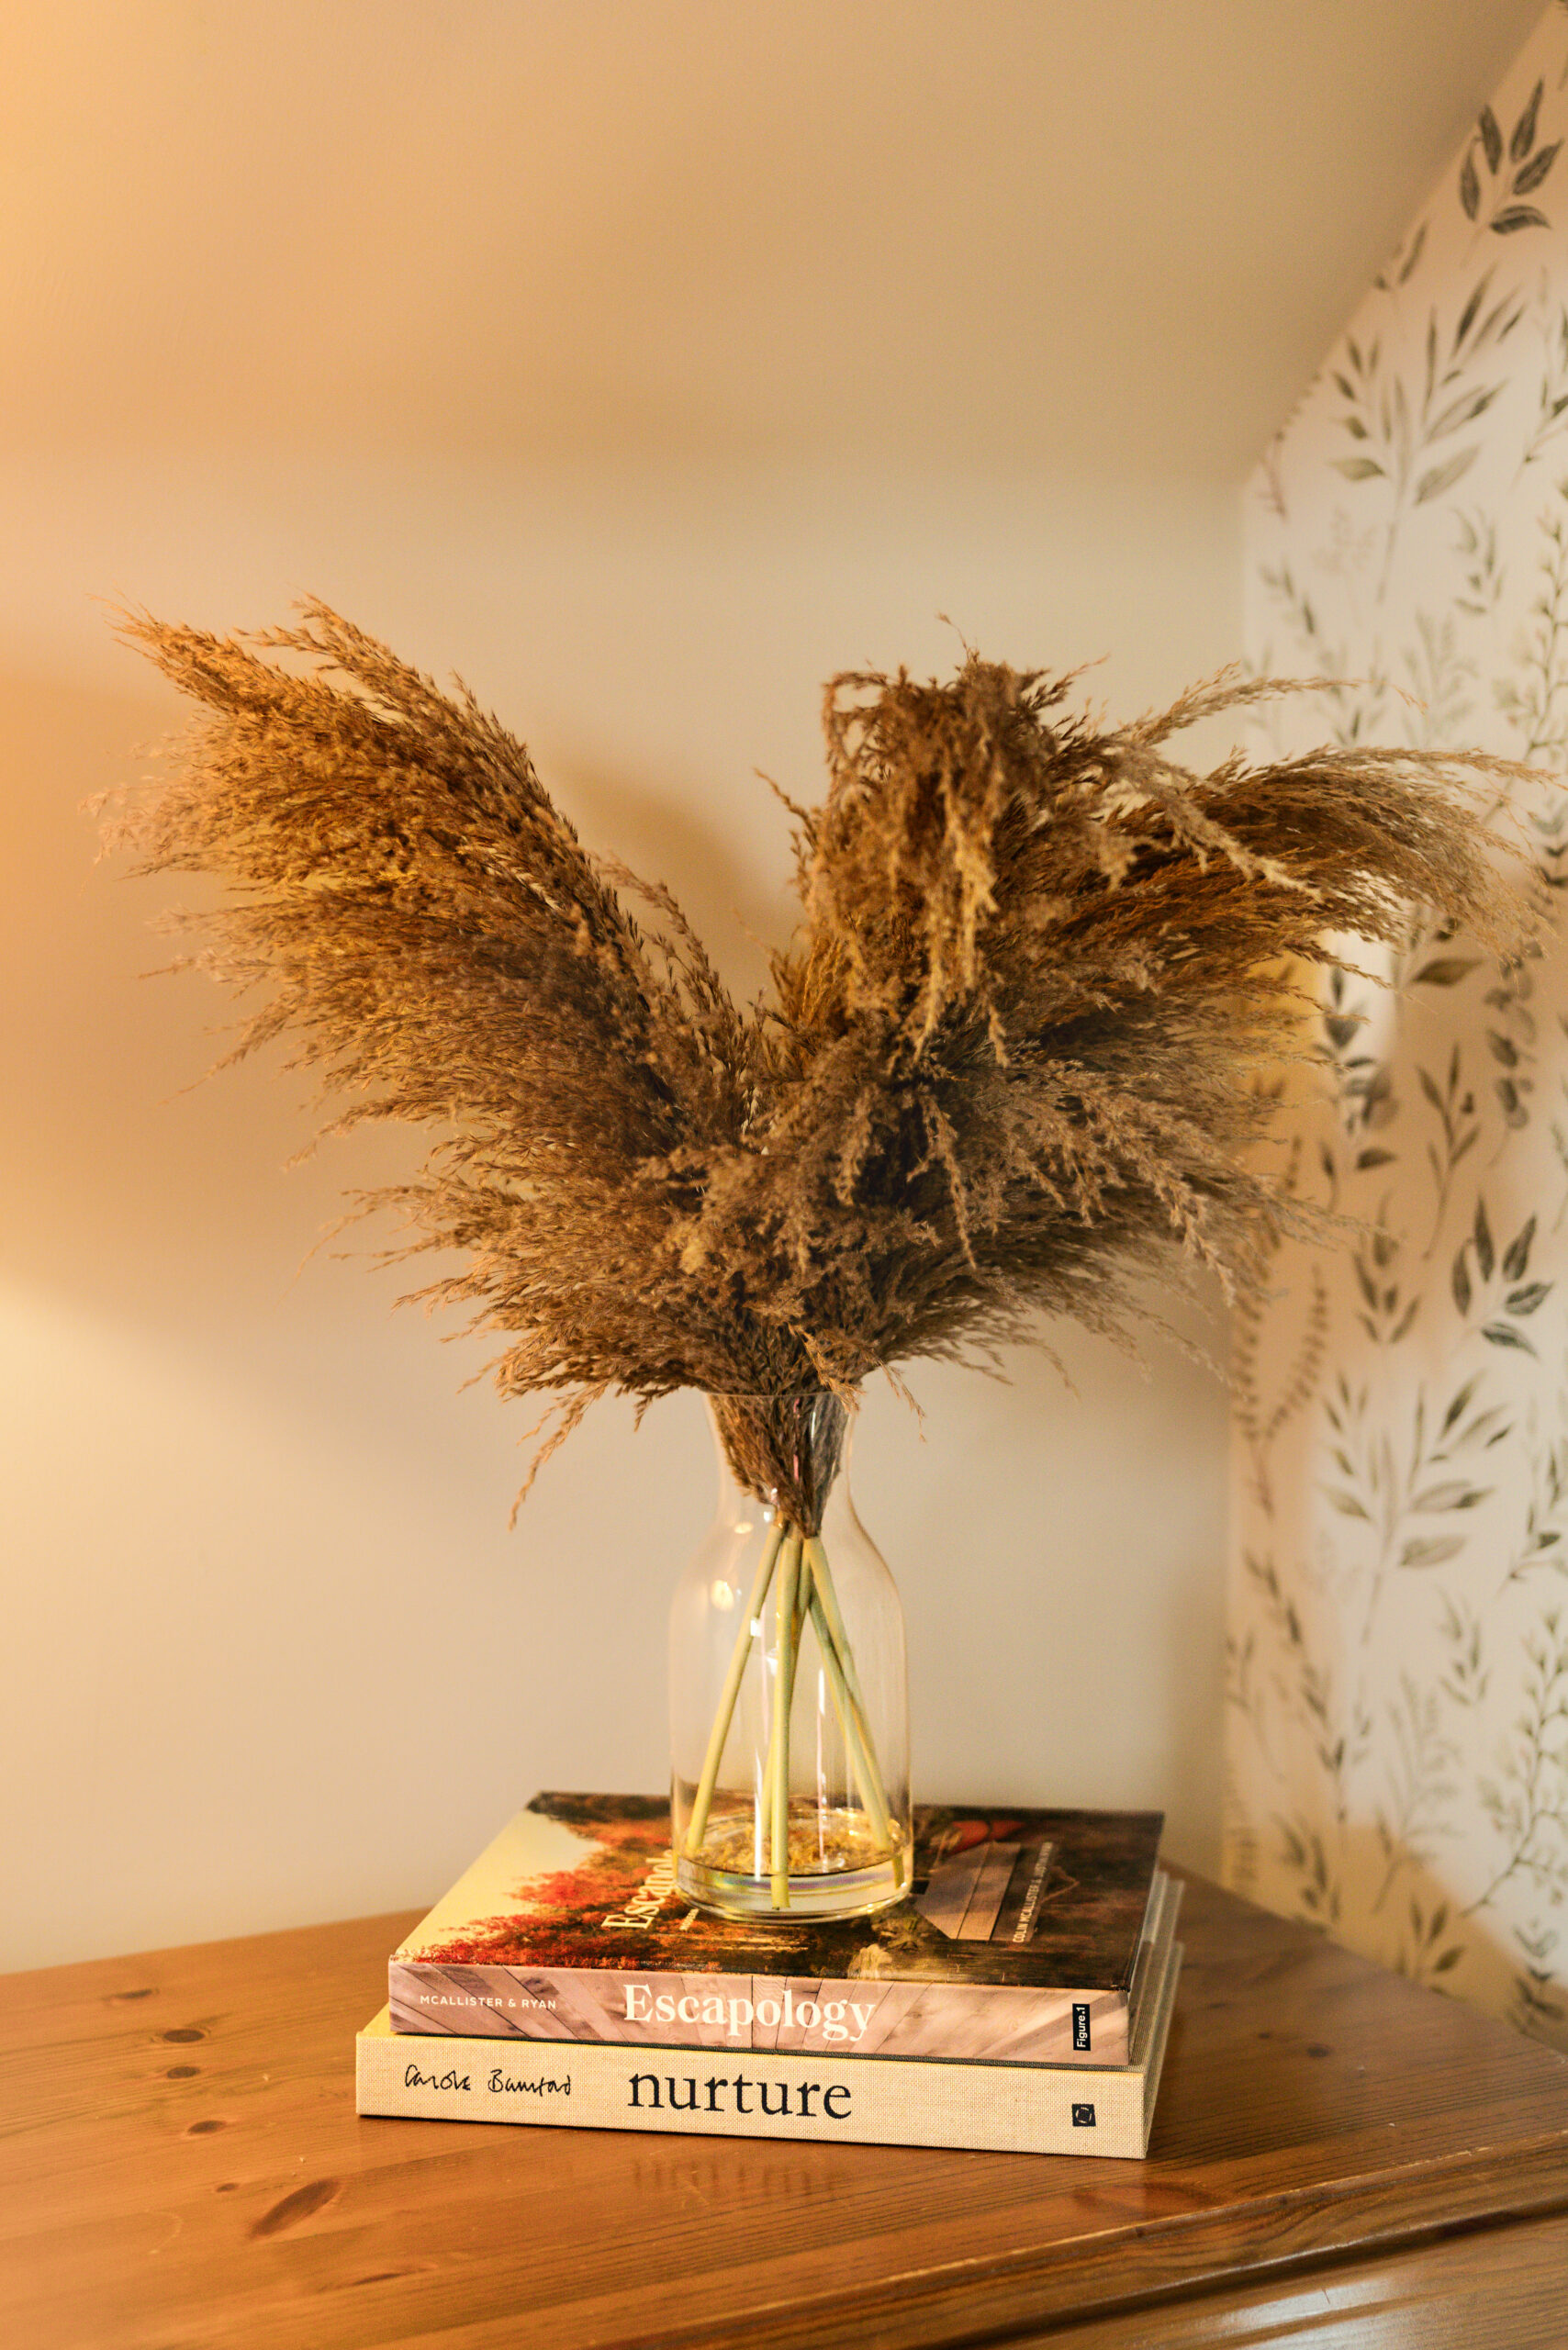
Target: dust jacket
{"type": "Point", "coordinates": [1020, 1944]}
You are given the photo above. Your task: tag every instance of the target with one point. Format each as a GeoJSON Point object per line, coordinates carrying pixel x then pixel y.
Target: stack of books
{"type": "Point", "coordinates": [1019, 2000]}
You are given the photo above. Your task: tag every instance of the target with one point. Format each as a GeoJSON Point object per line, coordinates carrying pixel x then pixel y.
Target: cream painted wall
{"type": "Point", "coordinates": [271, 1653]}
{"type": "Point", "coordinates": [280, 1657]}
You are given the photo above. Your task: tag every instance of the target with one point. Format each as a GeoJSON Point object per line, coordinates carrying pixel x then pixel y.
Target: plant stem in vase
{"type": "Point", "coordinates": [791, 1691]}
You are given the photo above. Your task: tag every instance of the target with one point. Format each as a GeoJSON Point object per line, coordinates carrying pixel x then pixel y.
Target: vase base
{"type": "Point", "coordinates": [837, 1869]}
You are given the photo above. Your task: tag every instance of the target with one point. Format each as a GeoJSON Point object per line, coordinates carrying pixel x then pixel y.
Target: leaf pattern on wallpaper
{"type": "Point", "coordinates": [1492, 181]}
{"type": "Point", "coordinates": [1397, 1643]}
{"type": "Point", "coordinates": [1419, 437]}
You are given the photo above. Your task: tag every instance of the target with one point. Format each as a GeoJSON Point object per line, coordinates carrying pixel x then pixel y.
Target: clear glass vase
{"type": "Point", "coordinates": [788, 1705]}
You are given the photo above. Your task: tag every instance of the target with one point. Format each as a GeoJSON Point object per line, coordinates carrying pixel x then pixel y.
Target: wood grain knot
{"type": "Point", "coordinates": [182, 2072]}
{"type": "Point", "coordinates": [183, 2031]}
{"type": "Point", "coordinates": [302, 2204]}
{"type": "Point", "coordinates": [204, 2129]}
{"type": "Point", "coordinates": [124, 1998]}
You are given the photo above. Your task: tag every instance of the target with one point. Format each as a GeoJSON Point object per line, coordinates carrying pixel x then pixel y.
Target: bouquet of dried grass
{"type": "Point", "coordinates": [1007, 1060]}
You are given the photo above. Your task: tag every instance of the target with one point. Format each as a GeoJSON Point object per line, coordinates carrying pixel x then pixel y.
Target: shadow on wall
{"type": "Point", "coordinates": [141, 1193]}
{"type": "Point", "coordinates": [280, 1658]}
{"type": "Point", "coordinates": [122, 1168]}
{"type": "Point", "coordinates": [739, 922]}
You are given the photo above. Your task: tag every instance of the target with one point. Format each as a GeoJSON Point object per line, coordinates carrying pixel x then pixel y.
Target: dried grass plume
{"type": "Point", "coordinates": [1006, 1060]}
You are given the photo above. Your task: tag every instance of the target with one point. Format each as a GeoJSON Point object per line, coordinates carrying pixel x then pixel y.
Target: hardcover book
{"type": "Point", "coordinates": [1020, 1943]}
{"type": "Point", "coordinates": [782, 2092]}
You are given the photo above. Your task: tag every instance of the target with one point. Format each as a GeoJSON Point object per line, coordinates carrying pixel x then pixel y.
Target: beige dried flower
{"type": "Point", "coordinates": [1007, 1060]}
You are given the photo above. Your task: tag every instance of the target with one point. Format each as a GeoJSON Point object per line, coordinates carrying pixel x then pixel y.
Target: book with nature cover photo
{"type": "Point", "coordinates": [1022, 1942]}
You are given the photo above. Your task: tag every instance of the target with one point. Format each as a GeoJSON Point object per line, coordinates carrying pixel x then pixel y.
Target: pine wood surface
{"type": "Point", "coordinates": [1338, 2155]}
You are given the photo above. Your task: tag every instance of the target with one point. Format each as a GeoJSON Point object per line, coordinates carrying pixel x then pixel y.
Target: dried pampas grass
{"type": "Point", "coordinates": [1007, 1060]}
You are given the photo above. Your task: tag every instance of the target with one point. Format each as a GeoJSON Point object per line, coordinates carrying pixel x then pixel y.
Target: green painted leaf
{"type": "Point", "coordinates": [1464, 410]}
{"type": "Point", "coordinates": [1536, 170]}
{"type": "Point", "coordinates": [1356, 468]}
{"type": "Point", "coordinates": [1491, 137]}
{"type": "Point", "coordinates": [1431, 1550]}
{"type": "Point", "coordinates": [1345, 1504]}
{"type": "Point", "coordinates": [1526, 1300]}
{"type": "Point", "coordinates": [1518, 215]}
{"type": "Point", "coordinates": [1446, 970]}
{"type": "Point", "coordinates": [1441, 477]}
{"type": "Point", "coordinates": [1456, 1494]}
{"type": "Point", "coordinates": [1461, 1404]}
{"type": "Point", "coordinates": [1469, 188]}
{"type": "Point", "coordinates": [1503, 1334]}
{"type": "Point", "coordinates": [1523, 138]}
{"type": "Point", "coordinates": [1515, 1261]}
{"type": "Point", "coordinates": [1472, 309]}
{"type": "Point", "coordinates": [1461, 1290]}
{"type": "Point", "coordinates": [1485, 1254]}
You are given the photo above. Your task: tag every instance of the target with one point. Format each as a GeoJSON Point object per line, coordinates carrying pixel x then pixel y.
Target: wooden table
{"type": "Point", "coordinates": [1337, 2157]}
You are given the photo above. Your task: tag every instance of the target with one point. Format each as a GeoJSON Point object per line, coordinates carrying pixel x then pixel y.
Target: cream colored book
{"type": "Point", "coordinates": [783, 2093]}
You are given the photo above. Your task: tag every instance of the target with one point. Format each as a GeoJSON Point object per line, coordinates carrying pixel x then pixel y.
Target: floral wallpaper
{"type": "Point", "coordinates": [1397, 1659]}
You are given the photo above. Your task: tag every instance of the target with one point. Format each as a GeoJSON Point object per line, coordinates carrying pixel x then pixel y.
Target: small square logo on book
{"type": "Point", "coordinates": [1080, 2023]}
{"type": "Point", "coordinates": [1083, 2117]}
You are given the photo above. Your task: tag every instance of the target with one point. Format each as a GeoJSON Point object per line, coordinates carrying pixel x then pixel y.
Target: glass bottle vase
{"type": "Point", "coordinates": [788, 1708]}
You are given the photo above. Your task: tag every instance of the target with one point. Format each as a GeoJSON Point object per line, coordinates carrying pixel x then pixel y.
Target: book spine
{"type": "Point", "coordinates": [863, 2100]}
{"type": "Point", "coordinates": [761, 2013]}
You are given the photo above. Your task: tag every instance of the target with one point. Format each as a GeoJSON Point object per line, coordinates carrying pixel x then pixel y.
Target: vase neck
{"type": "Point", "coordinates": [787, 1451]}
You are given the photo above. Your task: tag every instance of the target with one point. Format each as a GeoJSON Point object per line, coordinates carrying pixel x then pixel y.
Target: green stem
{"type": "Point", "coordinates": [796, 1571]}
{"type": "Point", "coordinates": [697, 1827]}
{"type": "Point", "coordinates": [843, 1710]}
{"type": "Point", "coordinates": [802, 1602]}
{"type": "Point", "coordinates": [839, 1657]}
{"type": "Point", "coordinates": [783, 1698]}
{"type": "Point", "coordinates": [857, 1744]}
